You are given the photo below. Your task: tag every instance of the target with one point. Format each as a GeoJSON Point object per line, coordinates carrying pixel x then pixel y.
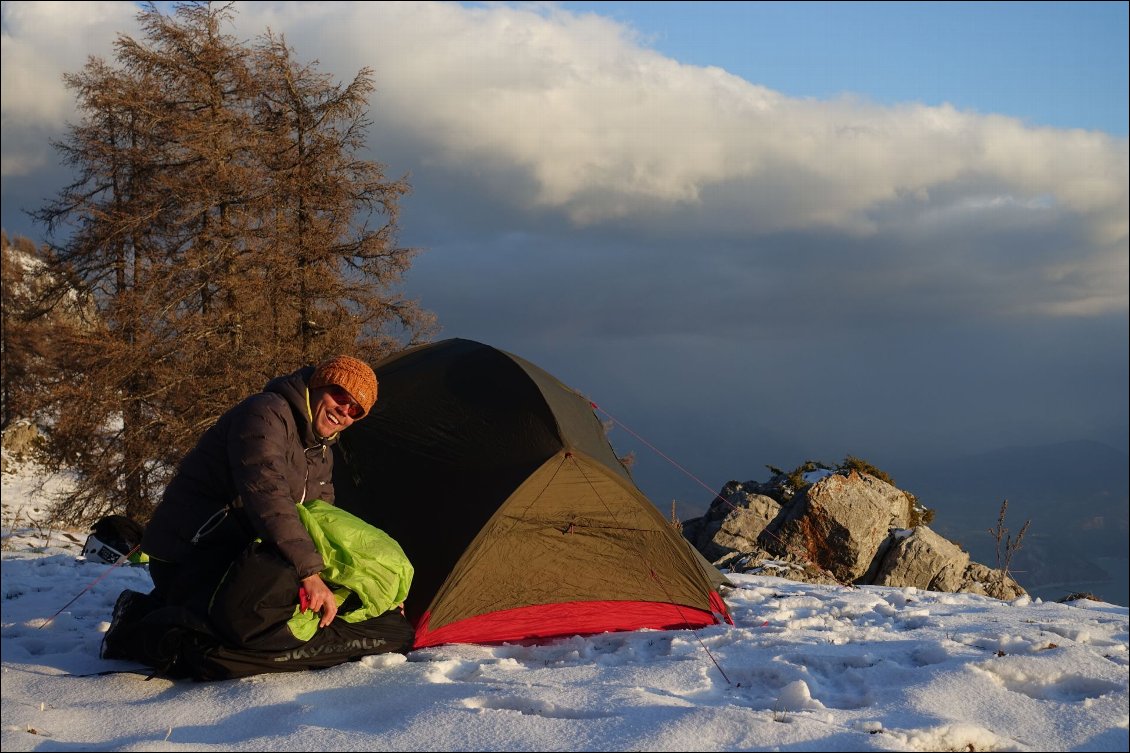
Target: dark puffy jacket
{"type": "Point", "coordinates": [257, 462]}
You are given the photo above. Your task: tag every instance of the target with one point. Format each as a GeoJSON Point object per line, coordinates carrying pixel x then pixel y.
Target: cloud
{"type": "Point", "coordinates": [40, 42]}
{"type": "Point", "coordinates": [550, 112]}
{"type": "Point", "coordinates": [606, 127]}
{"type": "Point", "coordinates": [570, 121]}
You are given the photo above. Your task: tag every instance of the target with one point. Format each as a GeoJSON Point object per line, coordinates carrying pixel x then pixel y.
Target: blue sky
{"type": "Point", "coordinates": [1055, 64]}
{"type": "Point", "coordinates": [755, 233]}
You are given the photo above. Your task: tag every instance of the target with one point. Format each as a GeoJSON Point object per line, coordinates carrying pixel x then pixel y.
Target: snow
{"type": "Point", "coordinates": [811, 477]}
{"type": "Point", "coordinates": [805, 667]}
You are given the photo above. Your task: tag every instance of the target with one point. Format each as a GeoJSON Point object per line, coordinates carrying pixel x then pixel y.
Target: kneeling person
{"type": "Point", "coordinates": [234, 513]}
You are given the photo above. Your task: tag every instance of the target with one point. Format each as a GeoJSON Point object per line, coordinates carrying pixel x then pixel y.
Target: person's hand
{"type": "Point", "coordinates": [321, 598]}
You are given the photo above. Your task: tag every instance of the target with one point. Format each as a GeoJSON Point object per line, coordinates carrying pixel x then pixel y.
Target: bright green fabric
{"type": "Point", "coordinates": [359, 558]}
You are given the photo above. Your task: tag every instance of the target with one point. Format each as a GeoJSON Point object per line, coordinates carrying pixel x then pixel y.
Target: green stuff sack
{"type": "Point", "coordinates": [360, 558]}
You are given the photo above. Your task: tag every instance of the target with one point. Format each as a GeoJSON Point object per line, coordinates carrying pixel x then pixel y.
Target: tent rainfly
{"type": "Point", "coordinates": [501, 487]}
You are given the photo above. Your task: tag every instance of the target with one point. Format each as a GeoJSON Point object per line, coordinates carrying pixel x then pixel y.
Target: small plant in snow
{"type": "Point", "coordinates": [1001, 534]}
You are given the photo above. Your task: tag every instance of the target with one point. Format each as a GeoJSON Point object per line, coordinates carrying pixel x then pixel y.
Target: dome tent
{"type": "Point", "coordinates": [501, 487]}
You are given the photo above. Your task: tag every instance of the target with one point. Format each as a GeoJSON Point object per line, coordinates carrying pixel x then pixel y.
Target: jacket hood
{"type": "Point", "coordinates": [295, 389]}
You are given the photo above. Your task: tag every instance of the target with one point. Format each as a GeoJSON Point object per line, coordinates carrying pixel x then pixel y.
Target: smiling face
{"type": "Point", "coordinates": [330, 415]}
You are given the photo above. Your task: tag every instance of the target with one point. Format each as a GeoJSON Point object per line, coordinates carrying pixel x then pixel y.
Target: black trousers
{"type": "Point", "coordinates": [234, 616]}
{"type": "Point", "coordinates": [190, 584]}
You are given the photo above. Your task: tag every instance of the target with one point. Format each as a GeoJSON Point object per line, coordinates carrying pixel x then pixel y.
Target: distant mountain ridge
{"type": "Point", "coordinates": [1038, 473]}
{"type": "Point", "coordinates": [1076, 493]}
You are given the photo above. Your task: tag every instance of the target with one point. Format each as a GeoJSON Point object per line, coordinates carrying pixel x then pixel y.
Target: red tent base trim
{"type": "Point", "coordinates": [571, 618]}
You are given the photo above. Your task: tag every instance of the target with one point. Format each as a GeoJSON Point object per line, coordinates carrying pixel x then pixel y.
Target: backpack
{"type": "Point", "coordinates": [113, 538]}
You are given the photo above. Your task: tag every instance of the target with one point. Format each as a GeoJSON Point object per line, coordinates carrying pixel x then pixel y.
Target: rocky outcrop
{"type": "Point", "coordinates": [926, 560]}
{"type": "Point", "coordinates": [846, 527]}
{"type": "Point", "coordinates": [737, 518]}
{"type": "Point", "coordinates": [17, 441]}
{"type": "Point", "coordinates": [839, 523]}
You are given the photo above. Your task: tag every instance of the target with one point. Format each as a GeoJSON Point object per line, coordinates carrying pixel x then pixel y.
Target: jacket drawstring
{"type": "Point", "coordinates": [211, 524]}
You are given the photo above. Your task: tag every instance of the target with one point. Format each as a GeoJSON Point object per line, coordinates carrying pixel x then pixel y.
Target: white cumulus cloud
{"type": "Point", "coordinates": [572, 114]}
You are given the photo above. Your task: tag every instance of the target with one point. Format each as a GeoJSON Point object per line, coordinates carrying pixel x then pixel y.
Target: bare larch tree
{"type": "Point", "coordinates": [225, 228]}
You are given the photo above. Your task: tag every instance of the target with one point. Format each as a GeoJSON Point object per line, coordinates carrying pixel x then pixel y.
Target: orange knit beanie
{"type": "Point", "coordinates": [355, 376]}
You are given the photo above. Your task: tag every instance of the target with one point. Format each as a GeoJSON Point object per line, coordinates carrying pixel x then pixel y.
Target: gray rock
{"type": "Point", "coordinates": [925, 560]}
{"type": "Point", "coordinates": [846, 528]}
{"type": "Point", "coordinates": [839, 523]}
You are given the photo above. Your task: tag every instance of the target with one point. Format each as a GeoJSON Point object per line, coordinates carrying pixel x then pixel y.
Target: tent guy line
{"type": "Point", "coordinates": [657, 451]}
{"type": "Point", "coordinates": [121, 560]}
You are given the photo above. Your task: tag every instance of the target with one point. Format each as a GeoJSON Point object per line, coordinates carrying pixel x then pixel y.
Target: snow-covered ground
{"type": "Point", "coordinates": [805, 667]}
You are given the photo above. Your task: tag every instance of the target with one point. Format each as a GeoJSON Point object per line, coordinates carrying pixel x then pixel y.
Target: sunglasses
{"type": "Point", "coordinates": [340, 396]}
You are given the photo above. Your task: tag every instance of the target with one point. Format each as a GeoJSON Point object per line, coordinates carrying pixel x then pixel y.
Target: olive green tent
{"type": "Point", "coordinates": [501, 487]}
